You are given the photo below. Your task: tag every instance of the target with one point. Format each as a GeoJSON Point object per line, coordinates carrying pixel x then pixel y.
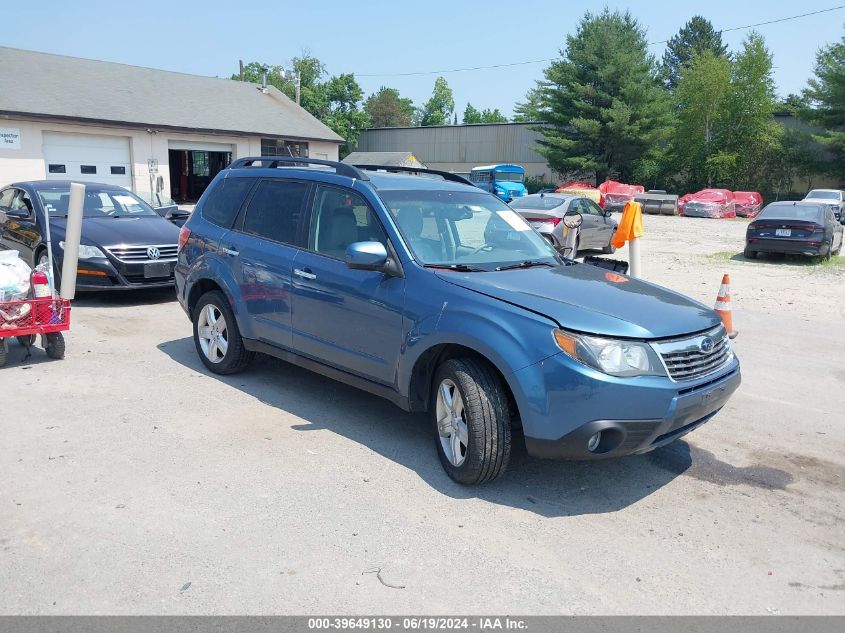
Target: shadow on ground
{"type": "Point", "coordinates": [548, 488]}
{"type": "Point", "coordinates": [780, 259]}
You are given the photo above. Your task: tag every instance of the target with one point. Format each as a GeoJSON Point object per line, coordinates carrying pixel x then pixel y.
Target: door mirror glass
{"type": "Point", "coordinates": [366, 256]}
{"type": "Point", "coordinates": [572, 219]}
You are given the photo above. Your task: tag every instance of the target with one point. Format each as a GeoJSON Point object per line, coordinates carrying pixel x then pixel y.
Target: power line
{"type": "Point", "coordinates": [550, 59]}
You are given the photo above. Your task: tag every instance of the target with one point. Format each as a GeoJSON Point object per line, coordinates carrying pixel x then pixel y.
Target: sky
{"type": "Point", "coordinates": [378, 40]}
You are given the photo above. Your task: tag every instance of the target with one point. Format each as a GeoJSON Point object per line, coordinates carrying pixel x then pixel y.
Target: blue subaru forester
{"type": "Point", "coordinates": [417, 287]}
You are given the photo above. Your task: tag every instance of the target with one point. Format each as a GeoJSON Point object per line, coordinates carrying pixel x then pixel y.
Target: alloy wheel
{"type": "Point", "coordinates": [213, 333]}
{"type": "Point", "coordinates": [451, 422]}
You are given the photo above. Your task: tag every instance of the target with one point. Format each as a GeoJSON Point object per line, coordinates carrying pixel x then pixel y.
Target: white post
{"type": "Point", "coordinates": [73, 233]}
{"type": "Point", "coordinates": [634, 252]}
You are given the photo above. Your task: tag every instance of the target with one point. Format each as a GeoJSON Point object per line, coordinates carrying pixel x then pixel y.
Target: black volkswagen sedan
{"type": "Point", "coordinates": [800, 228]}
{"type": "Point", "coordinates": [125, 244]}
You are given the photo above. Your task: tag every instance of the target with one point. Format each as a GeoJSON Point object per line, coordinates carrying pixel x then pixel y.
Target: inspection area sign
{"type": "Point", "coordinates": [10, 138]}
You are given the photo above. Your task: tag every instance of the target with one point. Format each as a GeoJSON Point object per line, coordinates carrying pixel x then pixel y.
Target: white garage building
{"type": "Point", "coordinates": [148, 130]}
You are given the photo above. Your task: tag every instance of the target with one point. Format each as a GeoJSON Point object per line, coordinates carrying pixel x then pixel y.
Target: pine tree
{"type": "Point", "coordinates": [604, 100]}
{"type": "Point", "coordinates": [696, 37]}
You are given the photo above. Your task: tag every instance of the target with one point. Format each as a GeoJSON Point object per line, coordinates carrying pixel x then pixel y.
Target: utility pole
{"type": "Point", "coordinates": [241, 64]}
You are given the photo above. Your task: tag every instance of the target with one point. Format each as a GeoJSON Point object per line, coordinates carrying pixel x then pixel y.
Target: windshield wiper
{"type": "Point", "coordinates": [528, 263]}
{"type": "Point", "coordinates": [461, 268]}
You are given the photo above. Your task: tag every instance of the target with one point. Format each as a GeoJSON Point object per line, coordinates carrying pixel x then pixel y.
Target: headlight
{"type": "Point", "coordinates": [86, 252]}
{"type": "Point", "coordinates": [611, 356]}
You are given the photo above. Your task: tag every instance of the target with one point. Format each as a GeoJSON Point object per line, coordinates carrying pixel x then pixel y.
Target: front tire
{"type": "Point", "coordinates": [55, 345]}
{"type": "Point", "coordinates": [216, 335]}
{"type": "Point", "coordinates": [610, 248]}
{"type": "Point", "coordinates": [471, 420]}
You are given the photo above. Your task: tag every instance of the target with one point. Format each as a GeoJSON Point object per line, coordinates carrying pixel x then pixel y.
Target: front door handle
{"type": "Point", "coordinates": [305, 274]}
{"type": "Point", "coordinates": [229, 251]}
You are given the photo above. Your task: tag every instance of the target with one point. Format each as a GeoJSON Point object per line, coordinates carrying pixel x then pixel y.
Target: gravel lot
{"type": "Point", "coordinates": [133, 482]}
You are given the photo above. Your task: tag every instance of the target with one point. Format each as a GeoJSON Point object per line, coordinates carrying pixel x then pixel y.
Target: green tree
{"type": "Point", "coordinates": [335, 102]}
{"type": "Point", "coordinates": [753, 136]}
{"type": "Point", "coordinates": [493, 116]}
{"type": "Point", "coordinates": [439, 108]}
{"type": "Point", "coordinates": [471, 115]}
{"type": "Point", "coordinates": [695, 37]}
{"type": "Point", "coordinates": [825, 95]}
{"type": "Point", "coordinates": [701, 106]}
{"type": "Point", "coordinates": [533, 108]}
{"type": "Point", "coordinates": [343, 95]}
{"type": "Point", "coordinates": [604, 100]}
{"type": "Point", "coordinates": [387, 109]}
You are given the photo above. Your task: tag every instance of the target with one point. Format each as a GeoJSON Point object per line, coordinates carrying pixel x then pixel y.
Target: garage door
{"type": "Point", "coordinates": [88, 158]}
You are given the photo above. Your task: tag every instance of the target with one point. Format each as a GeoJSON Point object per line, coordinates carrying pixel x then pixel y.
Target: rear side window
{"type": "Point", "coordinates": [275, 210]}
{"type": "Point", "coordinates": [225, 200]}
{"type": "Point", "coordinates": [6, 198]}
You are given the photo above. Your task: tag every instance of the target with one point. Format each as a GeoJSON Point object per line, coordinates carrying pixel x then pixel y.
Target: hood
{"type": "Point", "coordinates": [581, 297]}
{"type": "Point", "coordinates": [141, 231]}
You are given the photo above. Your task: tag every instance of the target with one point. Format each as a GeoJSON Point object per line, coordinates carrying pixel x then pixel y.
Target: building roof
{"type": "Point", "coordinates": [389, 159]}
{"type": "Point", "coordinates": [70, 88]}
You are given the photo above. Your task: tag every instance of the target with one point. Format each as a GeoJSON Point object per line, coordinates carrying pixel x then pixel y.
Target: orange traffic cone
{"type": "Point", "coordinates": [723, 305]}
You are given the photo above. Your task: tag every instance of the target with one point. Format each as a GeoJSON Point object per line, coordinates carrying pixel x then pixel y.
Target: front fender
{"type": "Point", "coordinates": [509, 337]}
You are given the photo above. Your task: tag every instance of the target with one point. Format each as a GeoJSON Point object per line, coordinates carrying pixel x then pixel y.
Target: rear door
{"type": "Point", "coordinates": [262, 248]}
{"type": "Point", "coordinates": [350, 319]}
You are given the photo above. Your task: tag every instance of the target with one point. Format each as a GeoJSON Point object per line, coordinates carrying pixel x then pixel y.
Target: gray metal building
{"type": "Point", "coordinates": [459, 148]}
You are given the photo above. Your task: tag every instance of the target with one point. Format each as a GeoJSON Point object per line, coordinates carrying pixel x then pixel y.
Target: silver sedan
{"type": "Point", "coordinates": [545, 211]}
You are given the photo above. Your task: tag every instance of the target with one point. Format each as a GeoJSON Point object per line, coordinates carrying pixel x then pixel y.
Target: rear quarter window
{"type": "Point", "coordinates": [225, 200]}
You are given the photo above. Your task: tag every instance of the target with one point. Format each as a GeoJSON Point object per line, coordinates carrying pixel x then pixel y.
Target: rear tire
{"type": "Point", "coordinates": [749, 254]}
{"type": "Point", "coordinates": [609, 249]}
{"type": "Point", "coordinates": [474, 421]}
{"type": "Point", "coordinates": [55, 346]}
{"type": "Point", "coordinates": [3, 350]}
{"type": "Point", "coordinates": [216, 335]}
{"type": "Point", "coordinates": [27, 341]}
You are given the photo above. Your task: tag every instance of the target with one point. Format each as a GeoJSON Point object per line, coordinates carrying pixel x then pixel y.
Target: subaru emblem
{"type": "Point", "coordinates": [153, 252]}
{"type": "Point", "coordinates": [706, 344]}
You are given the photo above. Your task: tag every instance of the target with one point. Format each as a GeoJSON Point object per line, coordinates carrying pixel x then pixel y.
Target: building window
{"type": "Point", "coordinates": [281, 147]}
{"type": "Point", "coordinates": [56, 169]}
{"type": "Point", "coordinates": [118, 170]}
{"type": "Point", "coordinates": [88, 169]}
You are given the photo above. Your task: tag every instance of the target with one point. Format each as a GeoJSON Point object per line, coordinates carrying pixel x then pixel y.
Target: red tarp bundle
{"type": "Point", "coordinates": [748, 203]}
{"type": "Point", "coordinates": [709, 203]}
{"type": "Point", "coordinates": [616, 194]}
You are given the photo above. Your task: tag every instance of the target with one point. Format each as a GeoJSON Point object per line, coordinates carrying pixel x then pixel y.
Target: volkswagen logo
{"type": "Point", "coordinates": [153, 252]}
{"type": "Point", "coordinates": [706, 344]}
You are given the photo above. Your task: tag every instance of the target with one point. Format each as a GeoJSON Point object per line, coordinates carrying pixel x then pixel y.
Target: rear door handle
{"type": "Point", "coordinates": [305, 274]}
{"type": "Point", "coordinates": [229, 251]}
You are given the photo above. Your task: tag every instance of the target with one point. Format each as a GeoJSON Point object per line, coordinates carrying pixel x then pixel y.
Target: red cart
{"type": "Point", "coordinates": [26, 319]}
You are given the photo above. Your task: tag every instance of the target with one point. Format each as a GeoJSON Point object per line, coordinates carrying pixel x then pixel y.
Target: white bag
{"type": "Point", "coordinates": [14, 277]}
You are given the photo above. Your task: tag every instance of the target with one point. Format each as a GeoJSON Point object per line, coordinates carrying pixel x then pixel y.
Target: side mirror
{"type": "Point", "coordinates": [608, 213]}
{"type": "Point", "coordinates": [572, 219]}
{"type": "Point", "coordinates": [366, 256]}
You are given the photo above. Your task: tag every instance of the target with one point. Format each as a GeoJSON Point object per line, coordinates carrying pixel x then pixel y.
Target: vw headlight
{"type": "Point", "coordinates": [611, 356]}
{"type": "Point", "coordinates": [86, 251]}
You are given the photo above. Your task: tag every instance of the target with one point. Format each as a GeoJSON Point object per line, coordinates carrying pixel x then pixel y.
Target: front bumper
{"type": "Point", "coordinates": [633, 415]}
{"type": "Point", "coordinates": [104, 274]}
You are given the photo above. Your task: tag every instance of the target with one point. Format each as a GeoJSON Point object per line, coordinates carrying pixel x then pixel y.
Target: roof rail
{"type": "Point", "coordinates": [341, 169]}
{"type": "Point", "coordinates": [445, 175]}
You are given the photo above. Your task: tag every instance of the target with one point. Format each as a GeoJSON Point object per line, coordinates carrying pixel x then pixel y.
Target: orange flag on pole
{"type": "Point", "coordinates": [631, 224]}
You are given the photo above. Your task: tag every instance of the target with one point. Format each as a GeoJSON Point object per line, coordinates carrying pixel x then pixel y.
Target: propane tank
{"type": "Point", "coordinates": [40, 285]}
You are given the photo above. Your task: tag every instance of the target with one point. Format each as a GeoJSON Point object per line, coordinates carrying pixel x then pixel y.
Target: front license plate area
{"type": "Point", "coordinates": [783, 232]}
{"type": "Point", "coordinates": [156, 269]}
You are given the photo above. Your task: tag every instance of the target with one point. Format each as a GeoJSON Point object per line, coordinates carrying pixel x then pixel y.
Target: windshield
{"type": "Point", "coordinates": [791, 212]}
{"type": "Point", "coordinates": [105, 203]}
{"type": "Point", "coordinates": [823, 195]}
{"type": "Point", "coordinates": [507, 176]}
{"type": "Point", "coordinates": [538, 203]}
{"type": "Point", "coordinates": [455, 228]}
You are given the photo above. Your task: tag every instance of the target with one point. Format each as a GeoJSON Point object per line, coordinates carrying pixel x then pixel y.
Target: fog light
{"type": "Point", "coordinates": [593, 442]}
